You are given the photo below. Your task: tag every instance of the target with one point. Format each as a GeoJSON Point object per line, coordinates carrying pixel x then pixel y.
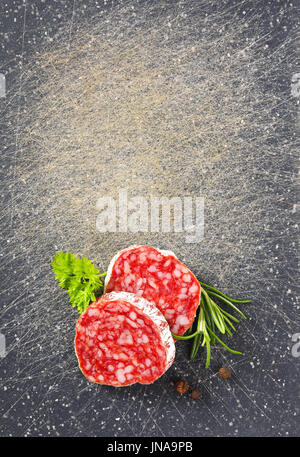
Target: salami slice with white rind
{"type": "Point", "coordinates": [159, 277]}
{"type": "Point", "coordinates": [122, 339]}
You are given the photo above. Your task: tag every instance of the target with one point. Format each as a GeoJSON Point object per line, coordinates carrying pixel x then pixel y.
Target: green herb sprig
{"type": "Point", "coordinates": [79, 277]}
{"type": "Point", "coordinates": [212, 318]}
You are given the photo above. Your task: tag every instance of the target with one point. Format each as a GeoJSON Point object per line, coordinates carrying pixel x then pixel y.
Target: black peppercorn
{"type": "Point", "coordinates": [196, 394]}
{"type": "Point", "coordinates": [182, 387]}
{"type": "Point", "coordinates": [224, 372]}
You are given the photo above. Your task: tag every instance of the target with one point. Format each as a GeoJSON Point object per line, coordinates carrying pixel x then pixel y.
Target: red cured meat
{"type": "Point", "coordinates": [160, 278]}
{"type": "Point", "coordinates": [122, 339]}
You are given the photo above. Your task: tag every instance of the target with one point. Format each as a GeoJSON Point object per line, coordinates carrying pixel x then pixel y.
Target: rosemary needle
{"type": "Point", "coordinates": [223, 344]}
{"type": "Point", "coordinates": [206, 286]}
{"type": "Point", "coordinates": [228, 303]}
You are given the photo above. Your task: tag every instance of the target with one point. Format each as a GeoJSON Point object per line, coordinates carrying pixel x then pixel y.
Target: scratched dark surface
{"type": "Point", "coordinates": [42, 391]}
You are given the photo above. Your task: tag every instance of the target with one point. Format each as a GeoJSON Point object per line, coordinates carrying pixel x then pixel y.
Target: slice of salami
{"type": "Point", "coordinates": [122, 339]}
{"type": "Point", "coordinates": [159, 277]}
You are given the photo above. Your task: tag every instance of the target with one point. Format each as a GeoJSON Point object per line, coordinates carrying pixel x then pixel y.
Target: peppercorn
{"type": "Point", "coordinates": [182, 387]}
{"type": "Point", "coordinates": [196, 394]}
{"type": "Point", "coordinates": [224, 372]}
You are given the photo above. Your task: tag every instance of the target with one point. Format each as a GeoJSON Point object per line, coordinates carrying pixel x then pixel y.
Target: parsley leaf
{"type": "Point", "coordinates": [78, 276]}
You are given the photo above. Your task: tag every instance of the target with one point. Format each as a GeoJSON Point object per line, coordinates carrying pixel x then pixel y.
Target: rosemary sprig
{"type": "Point", "coordinates": [212, 317]}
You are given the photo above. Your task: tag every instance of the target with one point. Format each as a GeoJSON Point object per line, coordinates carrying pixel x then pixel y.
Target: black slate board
{"type": "Point", "coordinates": [42, 391]}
